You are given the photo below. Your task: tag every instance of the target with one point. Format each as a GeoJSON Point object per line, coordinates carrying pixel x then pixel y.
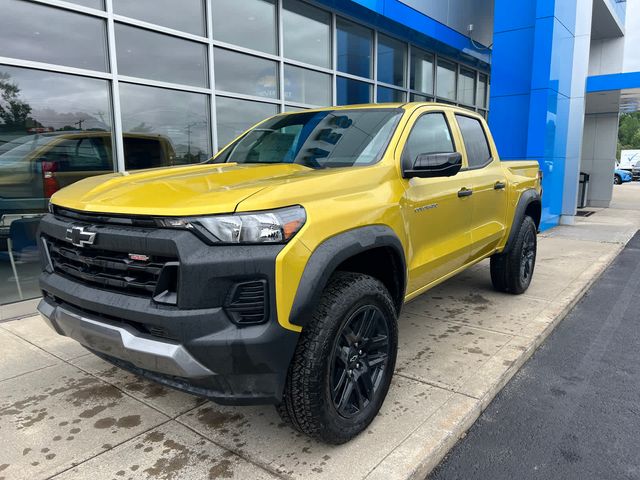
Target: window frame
{"type": "Point", "coordinates": [486, 139]}
{"type": "Point", "coordinates": [413, 125]}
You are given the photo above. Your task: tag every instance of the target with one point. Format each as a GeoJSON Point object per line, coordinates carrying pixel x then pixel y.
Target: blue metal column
{"type": "Point", "coordinates": [539, 65]}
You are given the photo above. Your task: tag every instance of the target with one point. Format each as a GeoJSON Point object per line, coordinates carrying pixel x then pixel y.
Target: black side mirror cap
{"type": "Point", "coordinates": [428, 165]}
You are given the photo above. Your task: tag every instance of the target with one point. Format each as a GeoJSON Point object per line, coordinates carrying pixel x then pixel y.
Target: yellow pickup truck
{"type": "Point", "coordinates": [276, 271]}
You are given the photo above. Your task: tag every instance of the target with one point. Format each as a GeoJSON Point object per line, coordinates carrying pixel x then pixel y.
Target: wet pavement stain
{"type": "Point", "coordinates": [217, 420]}
{"type": "Point", "coordinates": [221, 469]}
{"type": "Point", "coordinates": [31, 419]}
{"type": "Point", "coordinates": [92, 412]}
{"type": "Point", "coordinates": [477, 299]}
{"type": "Point", "coordinates": [101, 391]}
{"type": "Point", "coordinates": [129, 421]}
{"type": "Point", "coordinates": [170, 467]}
{"type": "Point", "coordinates": [148, 390]}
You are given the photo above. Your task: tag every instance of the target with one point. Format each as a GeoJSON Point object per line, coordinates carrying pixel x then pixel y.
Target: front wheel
{"type": "Point", "coordinates": [511, 271]}
{"type": "Point", "coordinates": [617, 179]}
{"type": "Point", "coordinates": [344, 361]}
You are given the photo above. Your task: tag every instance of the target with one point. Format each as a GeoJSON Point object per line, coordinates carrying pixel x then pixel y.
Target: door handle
{"type": "Point", "coordinates": [499, 185]}
{"type": "Point", "coordinates": [465, 192]}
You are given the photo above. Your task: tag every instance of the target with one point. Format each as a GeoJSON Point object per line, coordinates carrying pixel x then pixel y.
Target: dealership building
{"type": "Point", "coordinates": [91, 86]}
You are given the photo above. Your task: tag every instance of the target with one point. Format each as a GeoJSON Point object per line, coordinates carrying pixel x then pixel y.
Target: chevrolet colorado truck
{"type": "Point", "coordinates": [275, 272]}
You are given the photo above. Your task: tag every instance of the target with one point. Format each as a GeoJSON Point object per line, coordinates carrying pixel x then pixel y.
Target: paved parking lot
{"type": "Point", "coordinates": [69, 415]}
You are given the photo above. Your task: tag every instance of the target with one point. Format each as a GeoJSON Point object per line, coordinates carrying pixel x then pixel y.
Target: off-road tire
{"type": "Point", "coordinates": [511, 272]}
{"type": "Point", "coordinates": [307, 403]}
{"type": "Point", "coordinates": [617, 179]}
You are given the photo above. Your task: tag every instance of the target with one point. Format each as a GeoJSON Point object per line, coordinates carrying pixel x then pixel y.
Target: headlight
{"type": "Point", "coordinates": [270, 226]}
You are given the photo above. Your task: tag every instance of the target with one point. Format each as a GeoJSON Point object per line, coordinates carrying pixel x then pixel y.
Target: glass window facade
{"type": "Point", "coordinates": [233, 19]}
{"type": "Point", "coordinates": [386, 94]}
{"type": "Point", "coordinates": [185, 78]}
{"type": "Point", "coordinates": [307, 33]}
{"type": "Point", "coordinates": [240, 73]}
{"type": "Point", "coordinates": [302, 85]}
{"type": "Point", "coordinates": [351, 91]}
{"type": "Point", "coordinates": [421, 71]}
{"type": "Point", "coordinates": [446, 79]}
{"type": "Point", "coordinates": [146, 54]}
{"type": "Point", "coordinates": [355, 47]}
{"type": "Point", "coordinates": [392, 58]}
{"type": "Point", "coordinates": [32, 31]}
{"type": "Point", "coordinates": [55, 129]}
{"type": "Point", "coordinates": [466, 86]}
{"type": "Point", "coordinates": [185, 15]}
{"type": "Point", "coordinates": [174, 126]}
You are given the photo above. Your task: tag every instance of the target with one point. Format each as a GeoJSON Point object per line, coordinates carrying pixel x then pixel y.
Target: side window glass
{"type": "Point", "coordinates": [430, 134]}
{"type": "Point", "coordinates": [87, 157]}
{"type": "Point", "coordinates": [475, 141]}
{"type": "Point", "coordinates": [61, 154]}
{"type": "Point", "coordinates": [141, 152]}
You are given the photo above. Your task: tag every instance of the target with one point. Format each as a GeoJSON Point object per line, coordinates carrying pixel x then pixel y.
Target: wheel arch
{"type": "Point", "coordinates": [529, 204]}
{"type": "Point", "coordinates": [373, 250]}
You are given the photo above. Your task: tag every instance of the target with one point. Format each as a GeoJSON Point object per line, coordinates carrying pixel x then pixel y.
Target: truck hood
{"type": "Point", "coordinates": [178, 191]}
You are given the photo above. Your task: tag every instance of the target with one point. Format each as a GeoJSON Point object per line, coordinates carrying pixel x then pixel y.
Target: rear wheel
{"type": "Point", "coordinates": [617, 179]}
{"type": "Point", "coordinates": [511, 271]}
{"type": "Point", "coordinates": [344, 361]}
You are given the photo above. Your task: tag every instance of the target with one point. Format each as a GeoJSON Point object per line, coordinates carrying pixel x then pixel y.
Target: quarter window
{"type": "Point", "coordinates": [430, 134]}
{"type": "Point", "coordinates": [475, 141]}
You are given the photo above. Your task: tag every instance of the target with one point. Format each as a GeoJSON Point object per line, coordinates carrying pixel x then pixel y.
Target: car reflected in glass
{"type": "Point", "coordinates": [34, 167]}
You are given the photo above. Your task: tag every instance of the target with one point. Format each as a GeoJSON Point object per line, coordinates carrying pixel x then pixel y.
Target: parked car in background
{"type": "Point", "coordinates": [621, 176]}
{"type": "Point", "coordinates": [34, 167]}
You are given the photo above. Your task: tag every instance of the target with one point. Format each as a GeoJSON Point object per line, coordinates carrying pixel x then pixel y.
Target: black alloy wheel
{"type": "Point", "coordinates": [360, 357]}
{"type": "Point", "coordinates": [528, 256]}
{"type": "Point", "coordinates": [343, 365]}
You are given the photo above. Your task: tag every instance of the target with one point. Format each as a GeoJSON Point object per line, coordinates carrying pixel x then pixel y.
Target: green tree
{"type": "Point", "coordinates": [13, 111]}
{"type": "Point", "coordinates": [629, 132]}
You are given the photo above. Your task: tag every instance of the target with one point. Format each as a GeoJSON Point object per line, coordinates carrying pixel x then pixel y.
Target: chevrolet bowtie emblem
{"type": "Point", "coordinates": [79, 237]}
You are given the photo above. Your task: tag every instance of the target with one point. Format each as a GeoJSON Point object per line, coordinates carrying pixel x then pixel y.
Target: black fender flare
{"type": "Point", "coordinates": [526, 198]}
{"type": "Point", "coordinates": [330, 254]}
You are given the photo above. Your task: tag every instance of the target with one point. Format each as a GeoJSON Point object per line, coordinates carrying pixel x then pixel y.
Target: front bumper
{"type": "Point", "coordinates": [193, 346]}
{"type": "Point", "coordinates": [122, 341]}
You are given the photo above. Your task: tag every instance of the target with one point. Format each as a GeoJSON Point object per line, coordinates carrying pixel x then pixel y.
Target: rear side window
{"type": "Point", "coordinates": [140, 152]}
{"type": "Point", "coordinates": [475, 141]}
{"type": "Point", "coordinates": [430, 134]}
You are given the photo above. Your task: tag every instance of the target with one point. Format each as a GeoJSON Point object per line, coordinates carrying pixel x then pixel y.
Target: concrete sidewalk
{"type": "Point", "coordinates": [66, 414]}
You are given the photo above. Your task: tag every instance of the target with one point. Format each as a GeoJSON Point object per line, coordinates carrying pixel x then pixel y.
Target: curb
{"type": "Point", "coordinates": [425, 448]}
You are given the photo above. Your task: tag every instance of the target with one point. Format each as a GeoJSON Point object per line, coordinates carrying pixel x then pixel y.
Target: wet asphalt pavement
{"type": "Point", "coordinates": [573, 411]}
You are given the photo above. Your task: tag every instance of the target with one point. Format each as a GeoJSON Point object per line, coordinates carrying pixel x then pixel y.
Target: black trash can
{"type": "Point", "coordinates": [583, 189]}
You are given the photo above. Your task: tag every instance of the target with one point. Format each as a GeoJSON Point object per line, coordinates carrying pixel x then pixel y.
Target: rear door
{"type": "Point", "coordinates": [437, 217]}
{"type": "Point", "coordinates": [488, 182]}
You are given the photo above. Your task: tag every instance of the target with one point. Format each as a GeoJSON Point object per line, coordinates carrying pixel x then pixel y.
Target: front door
{"type": "Point", "coordinates": [436, 210]}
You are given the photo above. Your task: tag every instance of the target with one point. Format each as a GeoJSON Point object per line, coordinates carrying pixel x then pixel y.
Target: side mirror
{"type": "Point", "coordinates": [427, 165]}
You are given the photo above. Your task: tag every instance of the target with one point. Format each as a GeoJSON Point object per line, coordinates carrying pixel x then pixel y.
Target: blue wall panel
{"type": "Point", "coordinates": [530, 108]}
{"type": "Point", "coordinates": [614, 81]}
{"type": "Point", "coordinates": [511, 68]}
{"type": "Point", "coordinates": [511, 112]}
{"type": "Point", "coordinates": [513, 15]}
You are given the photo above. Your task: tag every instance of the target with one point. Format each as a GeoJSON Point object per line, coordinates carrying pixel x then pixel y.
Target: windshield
{"type": "Point", "coordinates": [336, 138]}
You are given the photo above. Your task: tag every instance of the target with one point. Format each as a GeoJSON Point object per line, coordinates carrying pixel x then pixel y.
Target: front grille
{"type": "Point", "coordinates": [113, 271]}
{"type": "Point", "coordinates": [247, 303]}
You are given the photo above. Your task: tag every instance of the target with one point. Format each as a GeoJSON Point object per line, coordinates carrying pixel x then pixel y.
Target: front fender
{"type": "Point", "coordinates": [330, 254]}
